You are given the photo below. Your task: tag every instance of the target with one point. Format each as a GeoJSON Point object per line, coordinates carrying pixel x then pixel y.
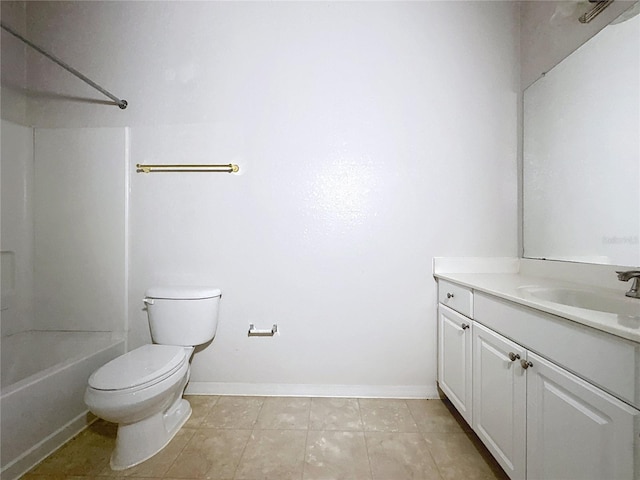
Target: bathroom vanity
{"type": "Point", "coordinates": [548, 383]}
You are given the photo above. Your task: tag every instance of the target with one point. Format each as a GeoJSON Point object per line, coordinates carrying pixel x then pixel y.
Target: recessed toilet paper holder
{"type": "Point", "coordinates": [253, 332]}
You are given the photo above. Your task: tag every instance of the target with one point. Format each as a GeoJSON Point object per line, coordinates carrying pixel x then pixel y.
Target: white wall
{"type": "Point", "coordinates": [370, 136]}
{"type": "Point", "coordinates": [16, 232]}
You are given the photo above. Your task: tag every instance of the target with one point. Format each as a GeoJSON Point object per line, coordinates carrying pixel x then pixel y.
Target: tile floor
{"type": "Point", "coordinates": [282, 438]}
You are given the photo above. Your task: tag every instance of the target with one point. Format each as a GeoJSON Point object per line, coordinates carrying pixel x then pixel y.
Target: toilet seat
{"type": "Point", "coordinates": [139, 368]}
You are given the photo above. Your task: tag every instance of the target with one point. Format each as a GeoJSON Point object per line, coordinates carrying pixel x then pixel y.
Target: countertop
{"type": "Point", "coordinates": [507, 286]}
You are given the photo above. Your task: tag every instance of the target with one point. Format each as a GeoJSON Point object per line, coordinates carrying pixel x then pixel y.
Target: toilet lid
{"type": "Point", "coordinates": [147, 364]}
{"type": "Point", "coordinates": [182, 293]}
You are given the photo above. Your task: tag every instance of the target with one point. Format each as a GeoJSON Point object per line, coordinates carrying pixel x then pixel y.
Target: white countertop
{"type": "Point", "coordinates": [507, 285]}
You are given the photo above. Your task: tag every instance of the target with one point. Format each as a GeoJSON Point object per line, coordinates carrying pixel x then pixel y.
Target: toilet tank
{"type": "Point", "coordinates": [186, 316]}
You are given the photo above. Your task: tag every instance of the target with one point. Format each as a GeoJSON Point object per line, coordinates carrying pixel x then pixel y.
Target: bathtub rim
{"type": "Point", "coordinates": [71, 425]}
{"type": "Point", "coordinates": [67, 363]}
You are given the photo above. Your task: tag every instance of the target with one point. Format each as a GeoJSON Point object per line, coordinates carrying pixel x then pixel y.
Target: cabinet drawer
{"type": "Point", "coordinates": [456, 297]}
{"type": "Point", "coordinates": [605, 360]}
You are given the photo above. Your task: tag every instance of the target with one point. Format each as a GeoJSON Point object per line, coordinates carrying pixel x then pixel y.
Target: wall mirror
{"type": "Point", "coordinates": [581, 152]}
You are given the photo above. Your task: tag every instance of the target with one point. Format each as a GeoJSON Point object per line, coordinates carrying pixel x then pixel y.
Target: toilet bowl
{"type": "Point", "coordinates": [142, 390]}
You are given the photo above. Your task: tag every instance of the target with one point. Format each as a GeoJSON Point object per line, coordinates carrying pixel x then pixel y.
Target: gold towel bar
{"type": "Point", "coordinates": [229, 168]}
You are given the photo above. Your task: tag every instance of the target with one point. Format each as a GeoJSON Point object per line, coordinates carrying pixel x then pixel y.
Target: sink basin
{"type": "Point", "coordinates": [587, 299]}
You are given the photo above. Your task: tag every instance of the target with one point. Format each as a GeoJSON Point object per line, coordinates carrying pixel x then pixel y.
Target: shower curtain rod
{"type": "Point", "coordinates": [595, 11]}
{"type": "Point", "coordinates": [120, 102]}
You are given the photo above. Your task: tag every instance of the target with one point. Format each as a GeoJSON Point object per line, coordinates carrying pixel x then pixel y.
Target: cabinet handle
{"type": "Point", "coordinates": [513, 356]}
{"type": "Point", "coordinates": [464, 326]}
{"type": "Point", "coordinates": [449, 295]}
{"type": "Point", "coordinates": [525, 364]}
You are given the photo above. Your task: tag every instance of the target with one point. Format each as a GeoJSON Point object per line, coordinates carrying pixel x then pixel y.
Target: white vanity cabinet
{"type": "Point", "coordinates": [454, 359]}
{"type": "Point", "coordinates": [575, 430]}
{"type": "Point", "coordinates": [500, 398]}
{"type": "Point", "coordinates": [551, 399]}
{"type": "Point", "coordinates": [454, 345]}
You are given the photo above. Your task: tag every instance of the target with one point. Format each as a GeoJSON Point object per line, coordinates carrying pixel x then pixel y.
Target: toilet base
{"type": "Point", "coordinates": [137, 442]}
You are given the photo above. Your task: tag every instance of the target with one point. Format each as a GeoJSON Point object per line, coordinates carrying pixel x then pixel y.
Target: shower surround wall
{"type": "Point", "coordinates": [16, 234]}
{"type": "Point", "coordinates": [370, 137]}
{"type": "Point", "coordinates": [63, 229]}
{"type": "Point", "coordinates": [80, 224]}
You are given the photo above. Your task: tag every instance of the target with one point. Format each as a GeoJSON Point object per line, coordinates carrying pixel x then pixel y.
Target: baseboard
{"type": "Point", "coordinates": [46, 447]}
{"type": "Point", "coordinates": [312, 390]}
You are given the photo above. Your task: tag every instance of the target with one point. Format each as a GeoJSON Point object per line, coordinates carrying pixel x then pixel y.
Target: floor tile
{"type": "Point", "coordinates": [201, 405]}
{"type": "Point", "coordinates": [273, 454]}
{"type": "Point", "coordinates": [458, 456]}
{"type": "Point", "coordinates": [157, 465]}
{"type": "Point", "coordinates": [386, 415]}
{"type": "Point", "coordinates": [435, 416]}
{"type": "Point", "coordinates": [254, 438]}
{"type": "Point", "coordinates": [400, 456]}
{"type": "Point", "coordinates": [234, 412]}
{"type": "Point", "coordinates": [335, 414]}
{"type": "Point", "coordinates": [284, 413]}
{"type": "Point", "coordinates": [210, 453]}
{"type": "Point", "coordinates": [85, 455]}
{"type": "Point", "coordinates": [332, 455]}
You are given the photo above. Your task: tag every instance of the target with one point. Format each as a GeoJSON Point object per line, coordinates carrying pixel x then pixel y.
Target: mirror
{"type": "Point", "coordinates": [581, 152]}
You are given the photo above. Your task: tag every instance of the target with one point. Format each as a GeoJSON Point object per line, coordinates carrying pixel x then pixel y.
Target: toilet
{"type": "Point", "coordinates": [142, 390]}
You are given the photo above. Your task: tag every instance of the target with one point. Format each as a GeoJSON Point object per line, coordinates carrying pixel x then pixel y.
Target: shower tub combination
{"type": "Point", "coordinates": [43, 378]}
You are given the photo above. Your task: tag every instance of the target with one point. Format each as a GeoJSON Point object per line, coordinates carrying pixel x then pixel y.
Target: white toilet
{"type": "Point", "coordinates": [142, 390]}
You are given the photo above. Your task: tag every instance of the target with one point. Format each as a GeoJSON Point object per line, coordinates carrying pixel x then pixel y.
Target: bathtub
{"type": "Point", "coordinates": [43, 377]}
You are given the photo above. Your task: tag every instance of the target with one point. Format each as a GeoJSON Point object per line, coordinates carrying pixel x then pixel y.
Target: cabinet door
{"type": "Point", "coordinates": [499, 399]}
{"type": "Point", "coordinates": [575, 430]}
{"type": "Point", "coordinates": [454, 359]}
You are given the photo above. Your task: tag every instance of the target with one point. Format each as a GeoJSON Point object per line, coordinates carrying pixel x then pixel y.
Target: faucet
{"type": "Point", "coordinates": [634, 291]}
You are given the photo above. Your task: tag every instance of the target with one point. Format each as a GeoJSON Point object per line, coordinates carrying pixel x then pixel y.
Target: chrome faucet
{"type": "Point", "coordinates": [634, 291]}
